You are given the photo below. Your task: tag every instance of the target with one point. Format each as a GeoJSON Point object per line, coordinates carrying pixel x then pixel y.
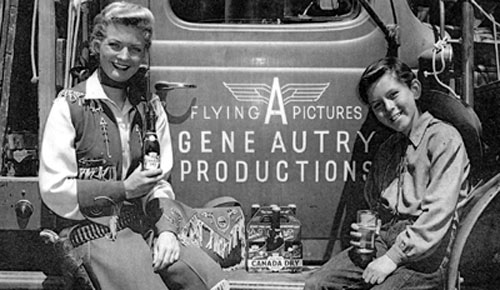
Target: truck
{"type": "Point", "coordinates": [261, 98]}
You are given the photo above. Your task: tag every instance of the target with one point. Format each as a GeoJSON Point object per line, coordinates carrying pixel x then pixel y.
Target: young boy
{"type": "Point", "coordinates": [417, 179]}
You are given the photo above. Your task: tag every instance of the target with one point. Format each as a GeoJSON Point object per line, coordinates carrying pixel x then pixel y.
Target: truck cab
{"type": "Point", "coordinates": [274, 117]}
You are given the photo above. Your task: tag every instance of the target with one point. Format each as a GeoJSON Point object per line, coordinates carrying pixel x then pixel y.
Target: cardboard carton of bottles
{"type": "Point", "coordinates": [273, 239]}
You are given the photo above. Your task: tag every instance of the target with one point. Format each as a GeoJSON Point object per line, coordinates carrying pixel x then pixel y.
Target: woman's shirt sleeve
{"type": "Point", "coordinates": [58, 165]}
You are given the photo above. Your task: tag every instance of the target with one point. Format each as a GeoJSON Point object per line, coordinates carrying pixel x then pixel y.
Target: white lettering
{"type": "Point", "coordinates": [202, 170]}
{"type": "Point", "coordinates": [227, 142]}
{"type": "Point", "coordinates": [221, 171]}
{"type": "Point", "coordinates": [342, 141]}
{"type": "Point", "coordinates": [266, 171]}
{"type": "Point", "coordinates": [238, 113]}
{"type": "Point", "coordinates": [300, 142]}
{"type": "Point", "coordinates": [185, 169]}
{"type": "Point", "coordinates": [253, 113]}
{"type": "Point", "coordinates": [316, 171]}
{"type": "Point", "coordinates": [184, 145]}
{"type": "Point", "coordinates": [217, 112]}
{"type": "Point", "coordinates": [241, 171]}
{"type": "Point", "coordinates": [276, 96]}
{"type": "Point", "coordinates": [249, 141]}
{"type": "Point", "coordinates": [348, 170]}
{"type": "Point", "coordinates": [276, 107]}
{"type": "Point", "coordinates": [366, 141]}
{"type": "Point", "coordinates": [194, 111]}
{"type": "Point", "coordinates": [320, 112]}
{"type": "Point", "coordinates": [284, 176]}
{"type": "Point", "coordinates": [358, 113]}
{"type": "Point", "coordinates": [205, 141]}
{"type": "Point", "coordinates": [331, 171]}
{"type": "Point", "coordinates": [302, 165]}
{"type": "Point", "coordinates": [366, 168]}
{"type": "Point", "coordinates": [302, 149]}
{"type": "Point", "coordinates": [278, 143]}
{"type": "Point", "coordinates": [321, 139]}
{"type": "Point", "coordinates": [340, 112]}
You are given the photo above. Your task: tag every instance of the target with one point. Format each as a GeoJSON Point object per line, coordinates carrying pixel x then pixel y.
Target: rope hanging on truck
{"type": "Point", "coordinates": [74, 11]}
{"type": "Point", "coordinates": [34, 70]}
{"type": "Point", "coordinates": [440, 48]}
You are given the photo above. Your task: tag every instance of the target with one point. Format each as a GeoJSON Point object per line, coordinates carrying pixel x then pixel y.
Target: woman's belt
{"type": "Point", "coordinates": [89, 231]}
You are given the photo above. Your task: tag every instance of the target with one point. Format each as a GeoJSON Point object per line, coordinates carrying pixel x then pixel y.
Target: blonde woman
{"type": "Point", "coordinates": [91, 175]}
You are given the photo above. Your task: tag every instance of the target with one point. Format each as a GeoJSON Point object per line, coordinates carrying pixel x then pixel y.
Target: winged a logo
{"type": "Point", "coordinates": [294, 92]}
{"type": "Point", "coordinates": [276, 96]}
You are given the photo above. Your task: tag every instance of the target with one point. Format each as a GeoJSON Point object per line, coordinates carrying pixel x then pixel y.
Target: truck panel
{"type": "Point", "coordinates": [275, 115]}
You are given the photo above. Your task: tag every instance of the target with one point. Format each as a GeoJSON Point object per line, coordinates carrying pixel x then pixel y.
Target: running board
{"type": "Point", "coordinates": [238, 280]}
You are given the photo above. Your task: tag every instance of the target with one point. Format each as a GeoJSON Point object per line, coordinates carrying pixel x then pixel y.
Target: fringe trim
{"type": "Point", "coordinates": [222, 285]}
{"type": "Point", "coordinates": [193, 234]}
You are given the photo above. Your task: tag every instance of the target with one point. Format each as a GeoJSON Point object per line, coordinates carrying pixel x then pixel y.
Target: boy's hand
{"type": "Point", "coordinates": [379, 269]}
{"type": "Point", "coordinates": [355, 235]}
{"type": "Point", "coordinates": [166, 250]}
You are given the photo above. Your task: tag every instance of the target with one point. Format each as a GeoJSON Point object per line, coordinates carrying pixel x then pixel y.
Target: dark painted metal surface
{"type": "Point", "coordinates": [230, 135]}
{"type": "Point", "coordinates": [479, 200]}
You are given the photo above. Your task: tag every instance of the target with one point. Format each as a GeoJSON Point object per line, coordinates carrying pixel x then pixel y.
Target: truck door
{"type": "Point", "coordinates": [274, 116]}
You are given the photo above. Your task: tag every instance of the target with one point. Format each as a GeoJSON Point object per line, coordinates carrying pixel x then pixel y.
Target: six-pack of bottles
{"type": "Point", "coordinates": [274, 239]}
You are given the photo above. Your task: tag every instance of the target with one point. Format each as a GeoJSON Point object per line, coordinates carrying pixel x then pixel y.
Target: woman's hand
{"type": "Point", "coordinates": [140, 182]}
{"type": "Point", "coordinates": [166, 250]}
{"type": "Point", "coordinates": [379, 269]}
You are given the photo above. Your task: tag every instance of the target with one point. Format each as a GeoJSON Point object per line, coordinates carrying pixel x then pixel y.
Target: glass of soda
{"type": "Point", "coordinates": [367, 222]}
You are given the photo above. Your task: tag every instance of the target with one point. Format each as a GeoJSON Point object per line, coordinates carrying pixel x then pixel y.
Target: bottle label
{"type": "Point", "coordinates": [151, 161]}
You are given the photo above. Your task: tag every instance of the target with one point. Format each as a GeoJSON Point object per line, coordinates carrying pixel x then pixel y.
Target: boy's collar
{"type": "Point", "coordinates": [418, 131]}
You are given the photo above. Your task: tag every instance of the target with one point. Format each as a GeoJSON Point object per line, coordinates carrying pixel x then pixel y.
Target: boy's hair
{"type": "Point", "coordinates": [126, 14]}
{"type": "Point", "coordinates": [376, 70]}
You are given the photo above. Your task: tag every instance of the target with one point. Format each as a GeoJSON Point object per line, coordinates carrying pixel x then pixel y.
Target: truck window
{"type": "Point", "coordinates": [263, 11]}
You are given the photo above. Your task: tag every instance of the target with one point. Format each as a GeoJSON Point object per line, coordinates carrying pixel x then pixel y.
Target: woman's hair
{"type": "Point", "coordinates": [376, 70]}
{"type": "Point", "coordinates": [126, 14]}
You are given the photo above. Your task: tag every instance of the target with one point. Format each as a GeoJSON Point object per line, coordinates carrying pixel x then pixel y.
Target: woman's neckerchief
{"type": "Point", "coordinates": [135, 87]}
{"type": "Point", "coordinates": [107, 81]}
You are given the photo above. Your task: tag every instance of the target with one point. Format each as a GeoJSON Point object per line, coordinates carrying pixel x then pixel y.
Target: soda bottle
{"type": "Point", "coordinates": [150, 145]}
{"type": "Point", "coordinates": [254, 209]}
{"type": "Point", "coordinates": [275, 239]}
